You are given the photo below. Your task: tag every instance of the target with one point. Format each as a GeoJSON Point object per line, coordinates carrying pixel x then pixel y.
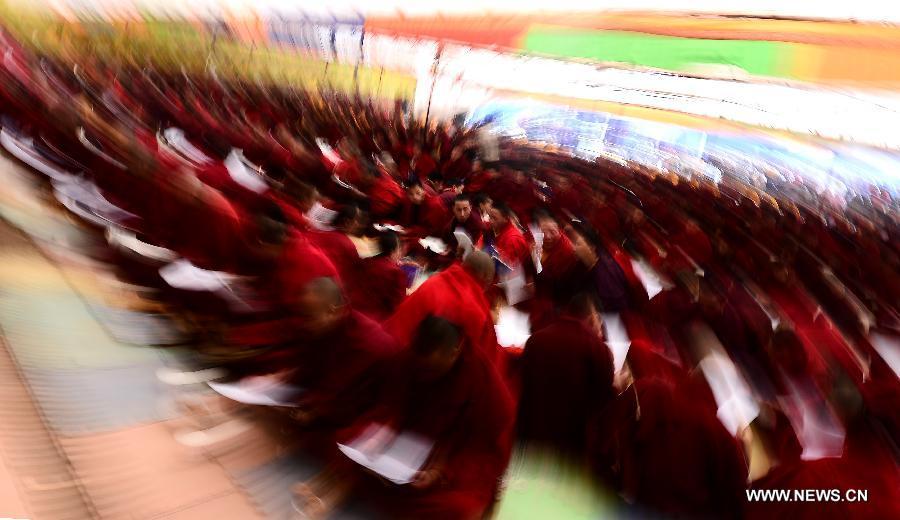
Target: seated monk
{"type": "Point", "coordinates": [556, 283]}
{"type": "Point", "coordinates": [337, 361]}
{"type": "Point", "coordinates": [509, 241]}
{"type": "Point", "coordinates": [664, 449]}
{"type": "Point", "coordinates": [382, 283]}
{"type": "Point", "coordinates": [868, 464]}
{"type": "Point", "coordinates": [567, 376]}
{"type": "Point", "coordinates": [457, 294]}
{"type": "Point", "coordinates": [443, 392]}
{"type": "Point", "coordinates": [465, 218]}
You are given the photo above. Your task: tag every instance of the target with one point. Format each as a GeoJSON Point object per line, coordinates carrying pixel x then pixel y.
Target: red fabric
{"type": "Point", "coordinates": [469, 415]}
{"type": "Point", "coordinates": [381, 288]}
{"type": "Point", "coordinates": [455, 295]}
{"type": "Point", "coordinates": [385, 198]}
{"type": "Point", "coordinates": [670, 456]}
{"type": "Point", "coordinates": [339, 249]}
{"type": "Point", "coordinates": [511, 245]}
{"type": "Point", "coordinates": [567, 374]}
{"type": "Point", "coordinates": [340, 371]}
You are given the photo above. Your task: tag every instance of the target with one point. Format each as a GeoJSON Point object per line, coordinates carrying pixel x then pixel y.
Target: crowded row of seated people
{"type": "Point", "coordinates": [313, 207]}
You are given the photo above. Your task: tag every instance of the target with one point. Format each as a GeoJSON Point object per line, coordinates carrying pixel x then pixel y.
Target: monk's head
{"type": "Point", "coordinates": [481, 266]}
{"type": "Point", "coordinates": [350, 219]}
{"type": "Point", "coordinates": [389, 246]}
{"type": "Point", "coordinates": [585, 243]}
{"type": "Point", "coordinates": [548, 226]}
{"type": "Point", "coordinates": [304, 194]}
{"type": "Point", "coordinates": [321, 306]}
{"type": "Point", "coordinates": [436, 347]}
{"type": "Point", "coordinates": [462, 208]}
{"type": "Point", "coordinates": [271, 230]}
{"type": "Point", "coordinates": [416, 192]}
{"type": "Point", "coordinates": [500, 215]}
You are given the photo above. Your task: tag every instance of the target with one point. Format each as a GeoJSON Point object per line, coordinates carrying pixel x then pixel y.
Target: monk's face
{"type": "Point", "coordinates": [550, 229]}
{"type": "Point", "coordinates": [462, 209]}
{"type": "Point", "coordinates": [498, 219]}
{"type": "Point", "coordinates": [439, 362]}
{"type": "Point", "coordinates": [317, 317]}
{"type": "Point", "coordinates": [584, 250]}
{"type": "Point", "coordinates": [416, 194]}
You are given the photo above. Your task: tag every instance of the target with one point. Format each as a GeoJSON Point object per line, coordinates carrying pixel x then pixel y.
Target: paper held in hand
{"type": "Point", "coordinates": [399, 460]}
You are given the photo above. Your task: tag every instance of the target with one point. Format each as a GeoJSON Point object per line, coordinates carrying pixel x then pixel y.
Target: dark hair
{"type": "Point", "coordinates": [434, 334]}
{"type": "Point", "coordinates": [504, 210]}
{"type": "Point", "coordinates": [462, 198]}
{"type": "Point", "coordinates": [272, 223]}
{"type": "Point", "coordinates": [480, 198]}
{"type": "Point", "coordinates": [541, 213]}
{"type": "Point", "coordinates": [412, 183]}
{"type": "Point", "coordinates": [388, 242]}
{"type": "Point", "coordinates": [587, 233]}
{"type": "Point", "coordinates": [345, 214]}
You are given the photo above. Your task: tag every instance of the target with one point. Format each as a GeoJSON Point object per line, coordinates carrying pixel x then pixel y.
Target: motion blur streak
{"type": "Point", "coordinates": [380, 260]}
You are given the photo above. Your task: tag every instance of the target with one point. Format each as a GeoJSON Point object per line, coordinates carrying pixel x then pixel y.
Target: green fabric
{"type": "Point", "coordinates": [665, 52]}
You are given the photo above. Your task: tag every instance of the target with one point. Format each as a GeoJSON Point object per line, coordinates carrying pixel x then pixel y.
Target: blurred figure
{"type": "Point", "coordinates": [442, 391]}
{"type": "Point", "coordinates": [383, 282]}
{"type": "Point", "coordinates": [567, 377]}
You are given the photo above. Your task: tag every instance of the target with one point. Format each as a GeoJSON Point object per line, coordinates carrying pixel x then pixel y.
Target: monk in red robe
{"type": "Point", "coordinates": [457, 294]}
{"type": "Point", "coordinates": [667, 452]}
{"type": "Point", "coordinates": [337, 357]}
{"type": "Point", "coordinates": [567, 376]}
{"type": "Point", "coordinates": [382, 282]}
{"type": "Point", "coordinates": [509, 241]}
{"type": "Point", "coordinates": [442, 391]}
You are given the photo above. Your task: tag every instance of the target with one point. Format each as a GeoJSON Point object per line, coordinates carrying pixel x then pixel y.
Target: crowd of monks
{"type": "Point", "coordinates": [318, 214]}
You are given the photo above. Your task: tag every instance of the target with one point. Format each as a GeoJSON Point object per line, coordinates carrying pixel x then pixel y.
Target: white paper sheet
{"type": "Point", "coordinates": [617, 338]}
{"type": "Point", "coordinates": [176, 139]}
{"type": "Point", "coordinates": [257, 391]}
{"type": "Point", "coordinates": [433, 244]}
{"type": "Point", "coordinates": [243, 175]}
{"type": "Point", "coordinates": [513, 327]}
{"type": "Point", "coordinates": [464, 241]}
{"type": "Point", "coordinates": [398, 462]}
{"type": "Point", "coordinates": [650, 279]}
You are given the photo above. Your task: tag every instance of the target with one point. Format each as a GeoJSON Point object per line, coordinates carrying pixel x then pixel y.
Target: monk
{"type": "Point", "coordinates": [442, 391]}
{"type": "Point", "coordinates": [457, 294]}
{"type": "Point", "coordinates": [382, 284]}
{"type": "Point", "coordinates": [337, 356]}
{"type": "Point", "coordinates": [567, 376]}
{"type": "Point", "coordinates": [464, 217]}
{"type": "Point", "coordinates": [509, 241]}
{"type": "Point", "coordinates": [669, 453]}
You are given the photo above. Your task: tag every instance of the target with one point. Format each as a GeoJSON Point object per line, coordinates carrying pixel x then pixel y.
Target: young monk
{"type": "Point", "coordinates": [442, 391]}
{"type": "Point", "coordinates": [382, 284]}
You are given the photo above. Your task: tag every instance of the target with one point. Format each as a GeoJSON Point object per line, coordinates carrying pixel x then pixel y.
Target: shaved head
{"type": "Point", "coordinates": [480, 265]}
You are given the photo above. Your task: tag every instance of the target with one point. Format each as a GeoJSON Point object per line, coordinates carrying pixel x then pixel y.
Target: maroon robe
{"type": "Point", "coordinates": [455, 295]}
{"type": "Point", "coordinates": [567, 374]}
{"type": "Point", "coordinates": [468, 413]}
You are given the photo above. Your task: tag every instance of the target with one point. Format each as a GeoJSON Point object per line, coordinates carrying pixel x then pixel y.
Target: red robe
{"type": "Point", "coordinates": [671, 456]}
{"type": "Point", "coordinates": [341, 371]}
{"type": "Point", "coordinates": [468, 413]}
{"type": "Point", "coordinates": [511, 245]}
{"type": "Point", "coordinates": [455, 295]}
{"type": "Point", "coordinates": [567, 374]}
{"type": "Point", "coordinates": [380, 289]}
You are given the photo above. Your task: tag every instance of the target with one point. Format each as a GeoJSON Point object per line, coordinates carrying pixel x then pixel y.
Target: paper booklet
{"type": "Point", "coordinates": [399, 461]}
{"type": "Point", "coordinates": [464, 241]}
{"type": "Point", "coordinates": [261, 391]}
